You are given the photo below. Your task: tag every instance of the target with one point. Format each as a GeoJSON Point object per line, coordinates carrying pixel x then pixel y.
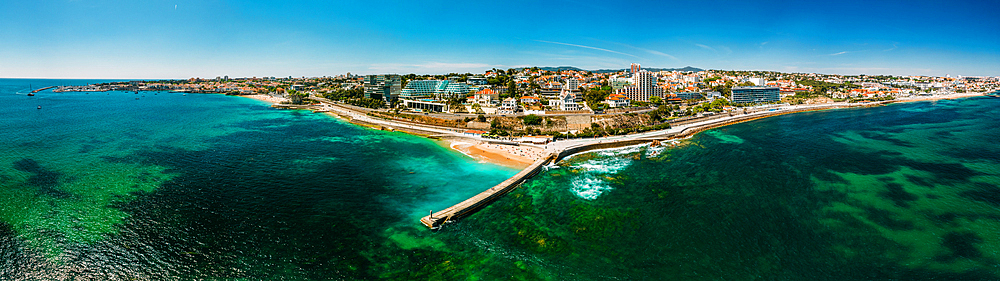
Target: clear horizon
{"type": "Point", "coordinates": [183, 39]}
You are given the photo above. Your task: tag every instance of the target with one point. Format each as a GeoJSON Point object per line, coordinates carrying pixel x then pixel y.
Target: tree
{"type": "Point", "coordinates": [512, 89]}
{"type": "Point", "coordinates": [456, 105]}
{"type": "Point", "coordinates": [532, 119]}
{"type": "Point", "coordinates": [655, 100]}
{"type": "Point", "coordinates": [595, 96]}
{"type": "Point", "coordinates": [296, 97]}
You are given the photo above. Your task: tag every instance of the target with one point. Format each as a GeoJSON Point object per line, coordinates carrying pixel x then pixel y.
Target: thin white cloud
{"type": "Point", "coordinates": [587, 47]}
{"type": "Point", "coordinates": [659, 53]}
{"type": "Point", "coordinates": [894, 46]}
{"type": "Point", "coordinates": [706, 47]}
{"type": "Point", "coordinates": [655, 52]}
{"type": "Point", "coordinates": [837, 54]}
{"type": "Point", "coordinates": [869, 70]}
{"type": "Point", "coordinates": [727, 50]}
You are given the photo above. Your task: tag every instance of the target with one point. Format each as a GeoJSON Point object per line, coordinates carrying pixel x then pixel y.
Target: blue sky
{"type": "Point", "coordinates": [208, 38]}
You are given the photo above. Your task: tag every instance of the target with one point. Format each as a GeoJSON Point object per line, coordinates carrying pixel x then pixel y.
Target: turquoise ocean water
{"type": "Point", "coordinates": [165, 186]}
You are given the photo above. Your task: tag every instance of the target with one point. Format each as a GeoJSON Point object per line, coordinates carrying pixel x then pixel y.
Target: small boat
{"type": "Point", "coordinates": [31, 93]}
{"type": "Point", "coordinates": [39, 107]}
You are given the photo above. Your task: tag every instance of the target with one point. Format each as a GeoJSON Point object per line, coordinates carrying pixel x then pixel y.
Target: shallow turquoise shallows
{"type": "Point", "coordinates": [167, 186]}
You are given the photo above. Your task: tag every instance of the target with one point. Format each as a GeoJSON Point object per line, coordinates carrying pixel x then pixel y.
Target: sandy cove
{"type": "Point", "coordinates": [517, 157]}
{"type": "Point", "coordinates": [940, 97]}
{"type": "Point", "coordinates": [266, 98]}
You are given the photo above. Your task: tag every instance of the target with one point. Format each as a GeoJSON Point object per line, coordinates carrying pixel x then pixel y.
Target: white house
{"type": "Point", "coordinates": [617, 100]}
{"type": "Point", "coordinates": [487, 97]}
{"type": "Point", "coordinates": [566, 101]}
{"type": "Point", "coordinates": [508, 106]}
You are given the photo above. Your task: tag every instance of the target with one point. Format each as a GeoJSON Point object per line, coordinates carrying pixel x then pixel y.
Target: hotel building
{"type": "Point", "coordinates": [442, 89]}
{"type": "Point", "coordinates": [745, 95]}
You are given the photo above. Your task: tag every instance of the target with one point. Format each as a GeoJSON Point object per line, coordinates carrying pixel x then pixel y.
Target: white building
{"type": "Point", "coordinates": [617, 100]}
{"type": "Point", "coordinates": [486, 97]}
{"type": "Point", "coordinates": [643, 86]}
{"type": "Point", "coordinates": [437, 88]}
{"type": "Point", "coordinates": [566, 101]}
{"type": "Point", "coordinates": [508, 106]}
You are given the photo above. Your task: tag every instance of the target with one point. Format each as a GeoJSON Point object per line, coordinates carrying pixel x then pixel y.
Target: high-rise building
{"type": "Point", "coordinates": [571, 84]}
{"type": "Point", "coordinates": [384, 87]}
{"type": "Point", "coordinates": [745, 95]}
{"type": "Point", "coordinates": [643, 86]}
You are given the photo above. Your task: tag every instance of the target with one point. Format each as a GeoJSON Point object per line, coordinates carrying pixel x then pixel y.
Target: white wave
{"type": "Point", "coordinates": [588, 187]}
{"type": "Point", "coordinates": [589, 184]}
{"type": "Point", "coordinates": [655, 151]}
{"type": "Point", "coordinates": [460, 143]}
{"type": "Point", "coordinates": [620, 150]}
{"type": "Point", "coordinates": [461, 147]}
{"type": "Point", "coordinates": [605, 166]}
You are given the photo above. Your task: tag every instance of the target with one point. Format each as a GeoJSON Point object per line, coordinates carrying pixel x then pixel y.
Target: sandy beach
{"type": "Point", "coordinates": [940, 97]}
{"type": "Point", "coordinates": [266, 98]}
{"type": "Point", "coordinates": [518, 157]}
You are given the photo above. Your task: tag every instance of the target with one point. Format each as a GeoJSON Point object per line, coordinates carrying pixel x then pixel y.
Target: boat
{"type": "Point", "coordinates": [30, 92]}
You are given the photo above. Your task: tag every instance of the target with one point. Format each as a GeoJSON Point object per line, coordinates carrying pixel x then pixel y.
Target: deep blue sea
{"type": "Point", "coordinates": [167, 186]}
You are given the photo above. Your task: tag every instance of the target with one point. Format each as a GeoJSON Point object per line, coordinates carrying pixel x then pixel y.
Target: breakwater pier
{"type": "Point", "coordinates": [469, 206]}
{"type": "Point", "coordinates": [42, 89]}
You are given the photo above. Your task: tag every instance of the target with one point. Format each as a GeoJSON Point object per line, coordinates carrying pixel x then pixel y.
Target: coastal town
{"type": "Point", "coordinates": [567, 102]}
